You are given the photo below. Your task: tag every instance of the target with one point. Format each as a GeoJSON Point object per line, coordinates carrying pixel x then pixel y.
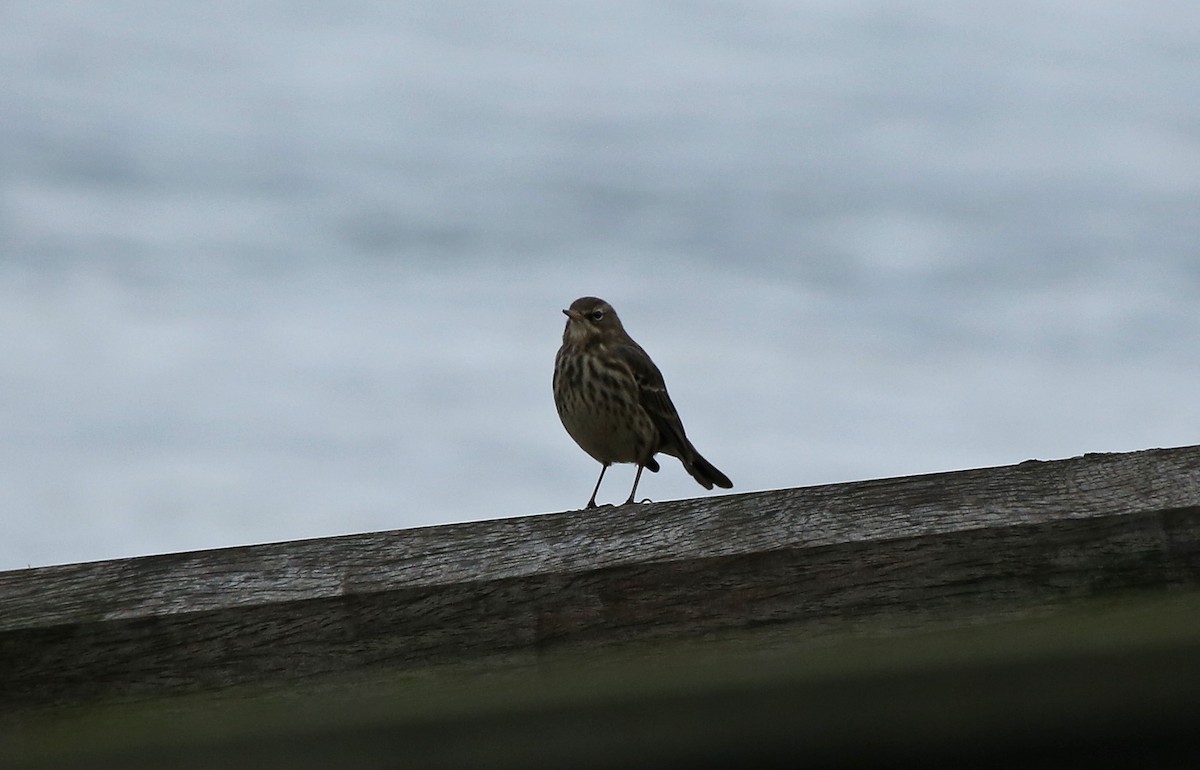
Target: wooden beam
{"type": "Point", "coordinates": [984, 541]}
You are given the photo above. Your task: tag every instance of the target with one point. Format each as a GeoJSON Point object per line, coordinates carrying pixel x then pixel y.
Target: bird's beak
{"type": "Point", "coordinates": [574, 315]}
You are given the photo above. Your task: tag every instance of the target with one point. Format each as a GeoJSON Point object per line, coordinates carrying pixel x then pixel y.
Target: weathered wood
{"type": "Point", "coordinates": [980, 540]}
{"type": "Point", "coordinates": [1100, 683]}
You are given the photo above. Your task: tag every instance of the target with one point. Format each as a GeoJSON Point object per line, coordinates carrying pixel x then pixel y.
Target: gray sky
{"type": "Point", "coordinates": [273, 272]}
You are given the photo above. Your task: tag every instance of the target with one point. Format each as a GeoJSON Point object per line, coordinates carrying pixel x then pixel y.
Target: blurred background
{"type": "Point", "coordinates": [282, 269]}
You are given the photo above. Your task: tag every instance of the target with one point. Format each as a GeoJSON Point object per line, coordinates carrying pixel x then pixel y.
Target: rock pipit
{"type": "Point", "coordinates": [613, 401]}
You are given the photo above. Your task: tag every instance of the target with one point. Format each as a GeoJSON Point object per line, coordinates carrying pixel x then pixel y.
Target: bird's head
{"type": "Point", "coordinates": [591, 318]}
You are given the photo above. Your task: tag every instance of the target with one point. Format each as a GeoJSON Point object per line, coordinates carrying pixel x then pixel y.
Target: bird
{"type": "Point", "coordinates": [613, 401]}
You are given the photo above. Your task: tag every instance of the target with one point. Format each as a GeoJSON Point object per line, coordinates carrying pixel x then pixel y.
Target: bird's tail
{"type": "Point", "coordinates": [705, 472]}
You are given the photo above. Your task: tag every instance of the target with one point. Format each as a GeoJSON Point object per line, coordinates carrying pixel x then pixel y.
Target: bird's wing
{"type": "Point", "coordinates": [652, 394]}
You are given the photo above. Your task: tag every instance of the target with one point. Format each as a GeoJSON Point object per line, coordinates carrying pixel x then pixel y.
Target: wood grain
{"type": "Point", "coordinates": [979, 541]}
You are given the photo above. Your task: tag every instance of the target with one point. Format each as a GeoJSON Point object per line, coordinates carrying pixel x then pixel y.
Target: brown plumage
{"type": "Point", "coordinates": [612, 399]}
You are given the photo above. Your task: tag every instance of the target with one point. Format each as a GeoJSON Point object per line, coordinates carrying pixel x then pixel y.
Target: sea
{"type": "Point", "coordinates": [282, 270]}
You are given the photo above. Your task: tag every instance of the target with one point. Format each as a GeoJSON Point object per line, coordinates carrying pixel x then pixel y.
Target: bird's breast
{"type": "Point", "coordinates": [598, 405]}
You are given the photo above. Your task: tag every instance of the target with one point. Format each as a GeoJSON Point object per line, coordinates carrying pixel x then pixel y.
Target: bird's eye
{"type": "Point", "coordinates": [596, 315]}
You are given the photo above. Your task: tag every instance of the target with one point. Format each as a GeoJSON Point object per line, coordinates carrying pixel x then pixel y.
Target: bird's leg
{"type": "Point", "coordinates": [592, 502]}
{"type": "Point", "coordinates": [636, 479]}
